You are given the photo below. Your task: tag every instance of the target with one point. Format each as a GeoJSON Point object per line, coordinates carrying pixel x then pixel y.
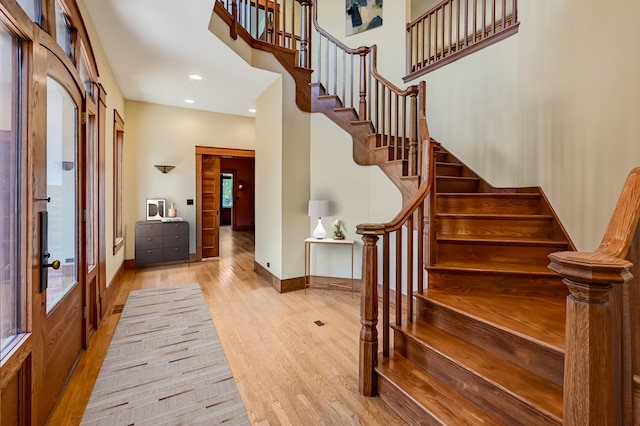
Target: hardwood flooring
{"type": "Point", "coordinates": [289, 370]}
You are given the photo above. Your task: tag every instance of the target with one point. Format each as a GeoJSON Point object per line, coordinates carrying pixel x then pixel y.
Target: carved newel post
{"type": "Point", "coordinates": [305, 33]}
{"type": "Point", "coordinates": [597, 339]}
{"type": "Point", "coordinates": [368, 384]}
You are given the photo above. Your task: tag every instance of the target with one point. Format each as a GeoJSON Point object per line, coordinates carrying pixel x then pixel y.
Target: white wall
{"type": "Point", "coordinates": [269, 225]}
{"type": "Point", "coordinates": [156, 134]}
{"type": "Point", "coordinates": [554, 106]}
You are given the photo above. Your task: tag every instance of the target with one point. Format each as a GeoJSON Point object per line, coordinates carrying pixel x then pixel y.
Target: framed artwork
{"type": "Point", "coordinates": [155, 208]}
{"type": "Point", "coordinates": [362, 15]}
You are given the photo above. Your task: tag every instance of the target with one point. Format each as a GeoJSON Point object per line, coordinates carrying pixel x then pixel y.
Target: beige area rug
{"type": "Point", "coordinates": [165, 366]}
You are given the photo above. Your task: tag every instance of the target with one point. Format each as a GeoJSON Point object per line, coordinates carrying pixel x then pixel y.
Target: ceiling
{"type": "Point", "coordinates": [153, 46]}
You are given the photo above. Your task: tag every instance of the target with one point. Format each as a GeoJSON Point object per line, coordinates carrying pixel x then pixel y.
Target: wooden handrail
{"type": "Point", "coordinates": [602, 321]}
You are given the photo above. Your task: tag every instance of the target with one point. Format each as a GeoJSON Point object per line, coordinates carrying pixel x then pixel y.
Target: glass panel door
{"type": "Point", "coordinates": [62, 131]}
{"type": "Point", "coordinates": [10, 286]}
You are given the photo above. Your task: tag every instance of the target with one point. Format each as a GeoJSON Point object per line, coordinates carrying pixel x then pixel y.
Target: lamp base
{"type": "Point", "coordinates": [319, 232]}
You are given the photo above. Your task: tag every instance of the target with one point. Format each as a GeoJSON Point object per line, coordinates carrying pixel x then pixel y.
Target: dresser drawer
{"type": "Point", "coordinates": [176, 253]}
{"type": "Point", "coordinates": [149, 256]}
{"type": "Point", "coordinates": [176, 240]}
{"type": "Point", "coordinates": [173, 228]}
{"type": "Point", "coordinates": [149, 229]}
{"type": "Point", "coordinates": [150, 242]}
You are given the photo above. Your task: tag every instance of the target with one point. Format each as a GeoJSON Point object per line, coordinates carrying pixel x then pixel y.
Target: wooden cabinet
{"type": "Point", "coordinates": [158, 241]}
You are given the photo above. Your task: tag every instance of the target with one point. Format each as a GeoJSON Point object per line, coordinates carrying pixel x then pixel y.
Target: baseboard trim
{"type": "Point", "coordinates": [281, 286]}
{"type": "Point", "coordinates": [112, 290]}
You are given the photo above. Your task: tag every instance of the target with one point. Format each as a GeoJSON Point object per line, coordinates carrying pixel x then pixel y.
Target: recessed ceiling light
{"type": "Point", "coordinates": [252, 110]}
{"type": "Point", "coordinates": [189, 101]}
{"type": "Point", "coordinates": [195, 77]}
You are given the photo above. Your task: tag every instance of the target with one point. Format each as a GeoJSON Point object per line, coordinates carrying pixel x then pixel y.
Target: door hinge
{"type": "Point", "coordinates": [84, 118]}
{"type": "Point", "coordinates": [84, 312]}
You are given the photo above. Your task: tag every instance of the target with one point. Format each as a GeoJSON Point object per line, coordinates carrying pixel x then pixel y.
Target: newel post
{"type": "Point", "coordinates": [305, 34]}
{"type": "Point", "coordinates": [234, 23]}
{"type": "Point", "coordinates": [596, 348]}
{"type": "Point", "coordinates": [362, 110]}
{"type": "Point", "coordinates": [368, 383]}
{"type": "Point", "coordinates": [413, 135]}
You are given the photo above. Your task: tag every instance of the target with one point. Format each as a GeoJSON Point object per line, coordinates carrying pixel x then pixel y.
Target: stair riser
{"type": "Point", "coordinates": [488, 205]}
{"type": "Point", "coordinates": [498, 253]}
{"type": "Point", "coordinates": [499, 227]}
{"type": "Point", "coordinates": [441, 157]}
{"type": "Point", "coordinates": [405, 406]}
{"type": "Point", "coordinates": [528, 354]}
{"type": "Point", "coordinates": [504, 406]}
{"type": "Point", "coordinates": [505, 284]}
{"type": "Point", "coordinates": [448, 169]}
{"type": "Point", "coordinates": [456, 186]}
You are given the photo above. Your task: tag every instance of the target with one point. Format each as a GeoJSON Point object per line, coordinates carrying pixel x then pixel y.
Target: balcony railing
{"type": "Point", "coordinates": [454, 28]}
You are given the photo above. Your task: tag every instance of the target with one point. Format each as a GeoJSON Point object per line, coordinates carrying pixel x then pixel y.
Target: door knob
{"type": "Point", "coordinates": [55, 264]}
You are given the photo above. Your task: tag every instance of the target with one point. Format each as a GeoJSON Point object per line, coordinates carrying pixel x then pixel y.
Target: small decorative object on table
{"type": "Point", "coordinates": [172, 210]}
{"type": "Point", "coordinates": [338, 233]}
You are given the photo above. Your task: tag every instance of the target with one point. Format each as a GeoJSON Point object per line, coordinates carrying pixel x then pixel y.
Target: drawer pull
{"type": "Point", "coordinates": [176, 236]}
{"type": "Point", "coordinates": [149, 239]}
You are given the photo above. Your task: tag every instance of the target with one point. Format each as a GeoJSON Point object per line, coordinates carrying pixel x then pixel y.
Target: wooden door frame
{"type": "Point", "coordinates": [213, 151]}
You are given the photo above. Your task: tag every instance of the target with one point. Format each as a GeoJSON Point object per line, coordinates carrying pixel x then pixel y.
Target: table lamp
{"type": "Point", "coordinates": [319, 209]}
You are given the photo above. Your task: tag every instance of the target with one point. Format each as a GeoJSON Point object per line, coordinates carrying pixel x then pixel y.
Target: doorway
{"type": "Point", "coordinates": [224, 186]}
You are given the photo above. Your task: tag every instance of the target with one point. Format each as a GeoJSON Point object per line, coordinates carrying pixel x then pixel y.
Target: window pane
{"type": "Point", "coordinates": [10, 298]}
{"type": "Point", "coordinates": [62, 131]}
{"type": "Point", "coordinates": [92, 193]}
{"type": "Point", "coordinates": [32, 8]}
{"type": "Point", "coordinates": [85, 76]}
{"type": "Point", "coordinates": [227, 190]}
{"type": "Point", "coordinates": [63, 29]}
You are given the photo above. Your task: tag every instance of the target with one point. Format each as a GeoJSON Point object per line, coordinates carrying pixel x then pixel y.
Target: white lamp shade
{"type": "Point", "coordinates": [319, 208]}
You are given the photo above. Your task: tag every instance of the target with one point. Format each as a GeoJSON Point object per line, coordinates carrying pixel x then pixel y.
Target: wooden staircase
{"type": "Point", "coordinates": [484, 341]}
{"type": "Point", "coordinates": [487, 342]}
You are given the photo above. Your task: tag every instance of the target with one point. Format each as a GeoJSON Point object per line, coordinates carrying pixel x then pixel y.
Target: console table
{"type": "Point", "coordinates": [307, 257]}
{"type": "Point", "coordinates": [158, 241]}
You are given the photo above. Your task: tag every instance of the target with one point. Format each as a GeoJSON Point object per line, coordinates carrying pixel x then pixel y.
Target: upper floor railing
{"type": "Point", "coordinates": [454, 28]}
{"type": "Point", "coordinates": [283, 23]}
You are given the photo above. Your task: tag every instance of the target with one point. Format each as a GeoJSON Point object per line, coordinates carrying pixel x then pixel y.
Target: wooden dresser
{"type": "Point", "coordinates": [158, 241]}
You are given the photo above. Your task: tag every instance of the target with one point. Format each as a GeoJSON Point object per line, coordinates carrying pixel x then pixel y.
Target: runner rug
{"type": "Point", "coordinates": [165, 366]}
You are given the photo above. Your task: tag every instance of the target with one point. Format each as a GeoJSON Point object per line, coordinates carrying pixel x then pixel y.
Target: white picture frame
{"type": "Point", "coordinates": [156, 208]}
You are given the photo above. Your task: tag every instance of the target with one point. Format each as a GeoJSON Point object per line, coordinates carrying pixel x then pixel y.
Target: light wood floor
{"type": "Point", "coordinates": [289, 370]}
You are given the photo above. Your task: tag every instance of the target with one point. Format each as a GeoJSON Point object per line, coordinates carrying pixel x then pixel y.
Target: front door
{"type": "Point", "coordinates": [58, 178]}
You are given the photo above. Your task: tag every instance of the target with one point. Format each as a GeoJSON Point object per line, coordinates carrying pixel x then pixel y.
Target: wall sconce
{"type": "Point", "coordinates": [240, 185]}
{"type": "Point", "coordinates": [164, 169]}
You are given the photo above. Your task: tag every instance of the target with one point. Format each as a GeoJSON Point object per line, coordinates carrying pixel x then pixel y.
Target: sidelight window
{"type": "Point", "coordinates": [11, 297]}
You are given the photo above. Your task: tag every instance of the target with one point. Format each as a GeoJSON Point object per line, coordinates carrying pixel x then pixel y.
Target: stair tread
{"type": "Point", "coordinates": [441, 401]}
{"type": "Point", "coordinates": [492, 194]}
{"type": "Point", "coordinates": [519, 382]}
{"type": "Point", "coordinates": [541, 319]}
{"type": "Point", "coordinates": [502, 268]}
{"type": "Point", "coordinates": [501, 216]}
{"type": "Point", "coordinates": [464, 178]}
{"type": "Point", "coordinates": [501, 239]}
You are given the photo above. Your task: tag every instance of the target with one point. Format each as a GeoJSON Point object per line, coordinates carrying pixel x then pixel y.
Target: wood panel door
{"type": "Point", "coordinates": [58, 173]}
{"type": "Point", "coordinates": [211, 185]}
